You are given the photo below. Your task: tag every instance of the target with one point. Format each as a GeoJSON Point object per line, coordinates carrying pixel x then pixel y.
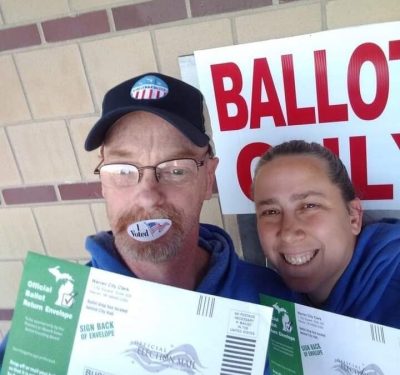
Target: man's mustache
{"type": "Point", "coordinates": [142, 214]}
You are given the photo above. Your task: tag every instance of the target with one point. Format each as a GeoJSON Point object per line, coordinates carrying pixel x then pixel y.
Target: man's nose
{"type": "Point", "coordinates": [149, 190]}
{"type": "Point", "coordinates": [291, 229]}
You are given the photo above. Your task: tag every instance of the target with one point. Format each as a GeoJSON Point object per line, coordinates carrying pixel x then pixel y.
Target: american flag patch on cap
{"type": "Point", "coordinates": [149, 87]}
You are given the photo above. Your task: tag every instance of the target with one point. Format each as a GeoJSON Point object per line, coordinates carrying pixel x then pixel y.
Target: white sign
{"type": "Point", "coordinates": [340, 88]}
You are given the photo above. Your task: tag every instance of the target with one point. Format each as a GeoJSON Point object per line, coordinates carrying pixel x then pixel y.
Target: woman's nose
{"type": "Point", "coordinates": [291, 228]}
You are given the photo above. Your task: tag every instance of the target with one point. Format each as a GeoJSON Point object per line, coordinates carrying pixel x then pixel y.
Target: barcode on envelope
{"type": "Point", "coordinates": [377, 333]}
{"type": "Point", "coordinates": [205, 306]}
{"type": "Point", "coordinates": [238, 356]}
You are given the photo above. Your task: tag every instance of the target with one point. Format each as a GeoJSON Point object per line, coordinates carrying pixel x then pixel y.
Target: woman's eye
{"type": "Point", "coordinates": [270, 212]}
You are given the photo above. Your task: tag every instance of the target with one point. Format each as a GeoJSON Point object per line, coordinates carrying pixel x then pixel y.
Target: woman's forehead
{"type": "Point", "coordinates": [298, 162]}
{"type": "Point", "coordinates": [289, 172]}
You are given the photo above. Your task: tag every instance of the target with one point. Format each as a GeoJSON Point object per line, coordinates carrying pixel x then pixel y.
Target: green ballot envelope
{"type": "Point", "coordinates": [70, 319]}
{"type": "Point", "coordinates": [309, 341]}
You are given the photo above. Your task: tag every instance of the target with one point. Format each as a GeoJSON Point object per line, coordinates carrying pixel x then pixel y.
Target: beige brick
{"type": "Point", "coordinates": [18, 233]}
{"type": "Point", "coordinates": [10, 278]}
{"type": "Point", "coordinates": [113, 60]}
{"type": "Point", "coordinates": [13, 106]}
{"type": "Point", "coordinates": [100, 216]}
{"type": "Point", "coordinates": [279, 22]}
{"type": "Point", "coordinates": [4, 328]}
{"type": "Point", "coordinates": [88, 4]}
{"type": "Point", "coordinates": [55, 82]}
{"type": "Point", "coordinates": [342, 13]}
{"type": "Point", "coordinates": [9, 173]}
{"type": "Point", "coordinates": [28, 10]}
{"type": "Point", "coordinates": [44, 152]}
{"type": "Point", "coordinates": [79, 129]}
{"type": "Point", "coordinates": [174, 41]}
{"type": "Point", "coordinates": [64, 229]}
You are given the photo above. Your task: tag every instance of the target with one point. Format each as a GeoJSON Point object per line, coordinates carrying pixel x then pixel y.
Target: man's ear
{"type": "Point", "coordinates": [355, 214]}
{"type": "Point", "coordinates": [103, 192]}
{"type": "Point", "coordinates": [101, 157]}
{"type": "Point", "coordinates": [211, 166]}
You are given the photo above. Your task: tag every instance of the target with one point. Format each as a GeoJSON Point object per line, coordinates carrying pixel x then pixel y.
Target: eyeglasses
{"type": "Point", "coordinates": [174, 172]}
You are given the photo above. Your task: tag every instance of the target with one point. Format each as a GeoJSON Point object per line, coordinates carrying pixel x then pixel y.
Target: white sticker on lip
{"type": "Point", "coordinates": [149, 230]}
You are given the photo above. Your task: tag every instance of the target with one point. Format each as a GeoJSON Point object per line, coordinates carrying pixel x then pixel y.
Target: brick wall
{"type": "Point", "coordinates": [57, 58]}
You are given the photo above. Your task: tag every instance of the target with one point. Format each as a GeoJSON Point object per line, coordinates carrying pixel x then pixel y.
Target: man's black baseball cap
{"type": "Point", "coordinates": [175, 101]}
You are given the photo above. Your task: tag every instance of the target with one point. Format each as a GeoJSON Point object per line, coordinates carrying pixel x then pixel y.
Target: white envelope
{"type": "Point", "coordinates": [309, 341]}
{"type": "Point", "coordinates": [71, 319]}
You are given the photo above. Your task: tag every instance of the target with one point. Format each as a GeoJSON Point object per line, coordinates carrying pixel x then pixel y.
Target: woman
{"type": "Point", "coordinates": [309, 221]}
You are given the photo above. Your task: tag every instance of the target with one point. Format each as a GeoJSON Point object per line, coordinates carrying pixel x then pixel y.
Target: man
{"type": "Point", "coordinates": [309, 221]}
{"type": "Point", "coordinates": [157, 168]}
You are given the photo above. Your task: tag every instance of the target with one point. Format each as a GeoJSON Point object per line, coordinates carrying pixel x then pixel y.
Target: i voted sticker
{"type": "Point", "coordinates": [149, 230]}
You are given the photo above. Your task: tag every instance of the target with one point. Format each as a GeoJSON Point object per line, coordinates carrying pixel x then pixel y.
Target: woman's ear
{"type": "Point", "coordinates": [356, 214]}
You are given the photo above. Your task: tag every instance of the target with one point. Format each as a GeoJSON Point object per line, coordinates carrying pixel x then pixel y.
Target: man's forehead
{"type": "Point", "coordinates": [137, 150]}
{"type": "Point", "coordinates": [137, 131]}
{"type": "Point", "coordinates": [139, 122]}
{"type": "Point", "coordinates": [136, 125]}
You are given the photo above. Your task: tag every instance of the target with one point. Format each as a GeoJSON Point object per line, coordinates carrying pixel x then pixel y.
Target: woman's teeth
{"type": "Point", "coordinates": [298, 260]}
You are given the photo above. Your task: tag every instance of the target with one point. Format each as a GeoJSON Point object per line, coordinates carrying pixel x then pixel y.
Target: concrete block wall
{"type": "Point", "coordinates": [57, 59]}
